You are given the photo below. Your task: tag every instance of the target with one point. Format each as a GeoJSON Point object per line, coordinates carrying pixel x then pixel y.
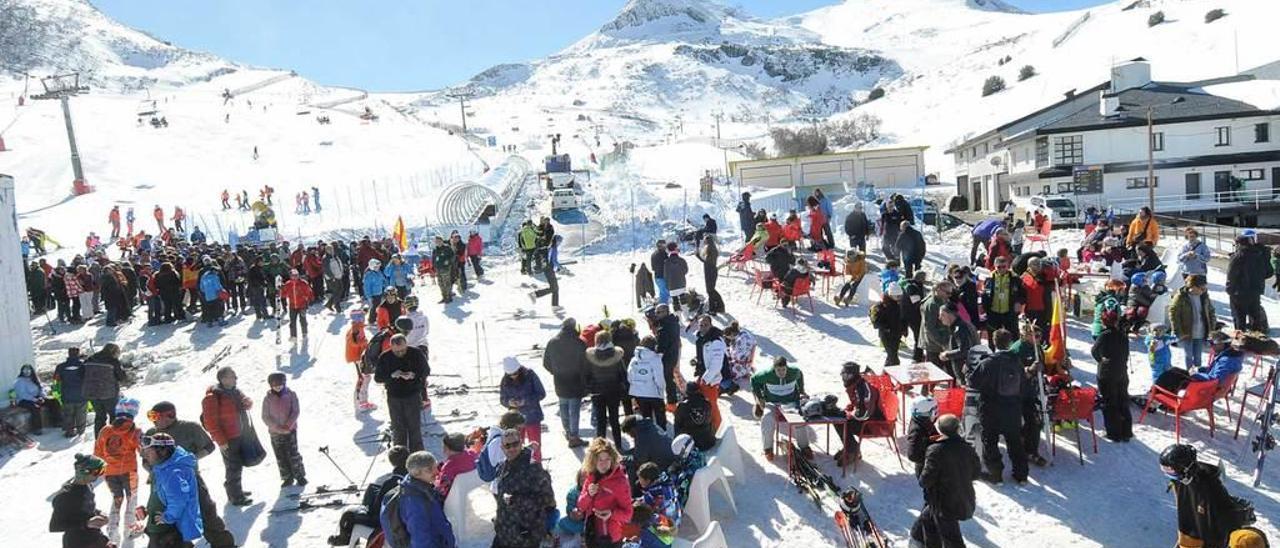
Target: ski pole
{"type": "Point", "coordinates": [324, 449]}
{"type": "Point", "coordinates": [381, 447]}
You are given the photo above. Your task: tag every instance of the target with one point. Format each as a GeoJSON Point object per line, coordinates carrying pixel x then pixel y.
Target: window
{"type": "Point", "coordinates": [1048, 189]}
{"type": "Point", "coordinates": [1157, 140]}
{"type": "Point", "coordinates": [986, 149]}
{"type": "Point", "coordinates": [1042, 152]}
{"type": "Point", "coordinates": [1013, 155]}
{"type": "Point", "coordinates": [1068, 151]}
{"type": "Point", "coordinates": [1224, 136]}
{"type": "Point", "coordinates": [1262, 133]}
{"type": "Point", "coordinates": [1139, 182]}
{"type": "Point", "coordinates": [1193, 186]}
{"type": "Point", "coordinates": [973, 152]}
{"type": "Point", "coordinates": [1252, 175]}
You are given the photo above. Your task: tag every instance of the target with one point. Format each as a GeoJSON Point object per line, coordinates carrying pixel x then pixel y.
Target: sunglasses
{"type": "Point", "coordinates": [153, 416]}
{"type": "Point", "coordinates": [153, 441]}
{"type": "Point", "coordinates": [511, 445]}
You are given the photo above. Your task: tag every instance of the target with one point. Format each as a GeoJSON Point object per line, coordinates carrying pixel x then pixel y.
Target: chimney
{"type": "Point", "coordinates": [1130, 74]}
{"type": "Point", "coordinates": [1108, 103]}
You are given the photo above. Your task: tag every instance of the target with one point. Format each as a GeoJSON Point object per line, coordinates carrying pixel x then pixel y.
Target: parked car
{"type": "Point", "coordinates": [1062, 209]}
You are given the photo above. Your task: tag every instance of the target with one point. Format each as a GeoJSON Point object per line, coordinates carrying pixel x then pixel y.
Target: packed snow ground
{"type": "Point", "coordinates": [1116, 499]}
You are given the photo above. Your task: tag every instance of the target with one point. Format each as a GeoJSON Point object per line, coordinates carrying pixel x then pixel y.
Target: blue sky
{"type": "Point", "coordinates": [400, 45]}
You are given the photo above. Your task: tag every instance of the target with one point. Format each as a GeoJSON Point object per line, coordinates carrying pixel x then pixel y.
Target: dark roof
{"type": "Point", "coordinates": [1172, 103]}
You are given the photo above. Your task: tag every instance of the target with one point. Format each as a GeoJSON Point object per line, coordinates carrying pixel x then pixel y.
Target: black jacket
{"type": "Point", "coordinates": [650, 445]}
{"type": "Point", "coordinates": [73, 505]}
{"type": "Point", "coordinates": [1205, 510]}
{"type": "Point", "coordinates": [414, 361]}
{"type": "Point", "coordinates": [779, 260]}
{"type": "Point", "coordinates": [950, 467]}
{"type": "Point", "coordinates": [911, 245]}
{"type": "Point", "coordinates": [669, 340]}
{"type": "Point", "coordinates": [919, 436]}
{"type": "Point", "coordinates": [565, 358]}
{"type": "Point", "coordinates": [1111, 351]}
{"type": "Point", "coordinates": [1248, 270]}
{"type": "Point", "coordinates": [658, 263]}
{"type": "Point", "coordinates": [693, 417]}
{"type": "Point", "coordinates": [856, 225]}
{"type": "Point", "coordinates": [168, 283]}
{"type": "Point", "coordinates": [606, 372]}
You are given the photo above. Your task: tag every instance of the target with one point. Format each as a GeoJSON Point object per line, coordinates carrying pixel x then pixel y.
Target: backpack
{"type": "Point", "coordinates": [398, 534]}
{"type": "Point", "coordinates": [369, 360]}
{"type": "Point", "coordinates": [99, 381]}
{"type": "Point", "coordinates": [485, 467]}
{"type": "Point", "coordinates": [1008, 377]}
{"type": "Point", "coordinates": [876, 310]}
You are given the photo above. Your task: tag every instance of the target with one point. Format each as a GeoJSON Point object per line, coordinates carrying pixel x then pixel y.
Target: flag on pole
{"type": "Point", "coordinates": [399, 235]}
{"type": "Point", "coordinates": [1055, 357]}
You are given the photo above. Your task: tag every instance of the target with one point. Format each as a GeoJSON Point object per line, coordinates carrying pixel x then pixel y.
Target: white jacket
{"type": "Point", "coordinates": [712, 358]}
{"type": "Point", "coordinates": [645, 375]}
{"type": "Point", "coordinates": [418, 336]}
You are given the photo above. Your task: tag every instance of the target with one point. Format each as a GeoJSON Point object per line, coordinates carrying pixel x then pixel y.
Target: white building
{"type": "Point", "coordinates": [1214, 158]}
{"type": "Point", "coordinates": [15, 315]}
{"type": "Point", "coordinates": [895, 167]}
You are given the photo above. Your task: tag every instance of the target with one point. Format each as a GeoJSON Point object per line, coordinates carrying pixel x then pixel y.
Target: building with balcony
{"type": "Point", "coordinates": [1213, 158]}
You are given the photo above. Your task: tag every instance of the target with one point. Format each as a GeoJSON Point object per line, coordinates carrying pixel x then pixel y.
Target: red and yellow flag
{"type": "Point", "coordinates": [399, 235]}
{"type": "Point", "coordinates": [1056, 356]}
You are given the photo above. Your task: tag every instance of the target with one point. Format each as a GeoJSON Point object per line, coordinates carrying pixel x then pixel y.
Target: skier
{"type": "Point", "coordinates": [159, 215]}
{"type": "Point", "coordinates": [224, 413]}
{"type": "Point", "coordinates": [1207, 513]}
{"type": "Point", "coordinates": [373, 282]}
{"type": "Point", "coordinates": [280, 411]}
{"type": "Point", "coordinates": [297, 293]}
{"type": "Point", "coordinates": [527, 239]}
{"type": "Point", "coordinates": [117, 444]}
{"type": "Point", "coordinates": [357, 344]}
{"type": "Point", "coordinates": [390, 310]}
{"type": "Point", "coordinates": [179, 218]}
{"type": "Point", "coordinates": [998, 380]}
{"type": "Point", "coordinates": [475, 248]}
{"type": "Point", "coordinates": [397, 273]}
{"type": "Point", "coordinates": [950, 467]}
{"type": "Point", "coordinates": [857, 228]}
{"type": "Point", "coordinates": [444, 257]}
{"type": "Point", "coordinates": [212, 307]}
{"type": "Point", "coordinates": [114, 218]}
{"type": "Point", "coordinates": [75, 513]}
{"type": "Point", "coordinates": [226, 197]}
{"type": "Point", "coordinates": [192, 437]}
{"type": "Point", "coordinates": [520, 390]}
{"type": "Point", "coordinates": [173, 511]}
{"type": "Point", "coordinates": [403, 371]}
{"type": "Point", "coordinates": [315, 193]}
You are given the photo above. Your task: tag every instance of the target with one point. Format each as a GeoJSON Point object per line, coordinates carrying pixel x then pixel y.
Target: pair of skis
{"type": "Point", "coordinates": [304, 505]}
{"type": "Point", "coordinates": [326, 491]}
{"type": "Point", "coordinates": [852, 519]}
{"type": "Point", "coordinates": [1264, 440]}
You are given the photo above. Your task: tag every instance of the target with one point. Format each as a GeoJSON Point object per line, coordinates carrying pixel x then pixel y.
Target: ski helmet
{"type": "Point", "coordinates": [1176, 460]}
{"type": "Point", "coordinates": [127, 406]}
{"type": "Point", "coordinates": [811, 408]}
{"type": "Point", "coordinates": [682, 445]}
{"type": "Point", "coordinates": [404, 325]}
{"type": "Point", "coordinates": [375, 264]}
{"type": "Point", "coordinates": [411, 302]}
{"type": "Point", "coordinates": [1158, 277]}
{"type": "Point", "coordinates": [1138, 278]}
{"type": "Point", "coordinates": [924, 407]}
{"type": "Point", "coordinates": [357, 315]}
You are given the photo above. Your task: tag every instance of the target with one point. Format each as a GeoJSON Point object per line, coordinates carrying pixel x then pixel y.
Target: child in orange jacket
{"type": "Point", "coordinates": [118, 444]}
{"type": "Point", "coordinates": [357, 343]}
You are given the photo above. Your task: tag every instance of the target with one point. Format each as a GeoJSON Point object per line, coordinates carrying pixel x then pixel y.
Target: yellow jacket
{"type": "Point", "coordinates": [1137, 234]}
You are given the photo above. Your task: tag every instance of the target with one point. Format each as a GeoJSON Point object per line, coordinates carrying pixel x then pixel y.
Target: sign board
{"type": "Point", "coordinates": [1086, 180]}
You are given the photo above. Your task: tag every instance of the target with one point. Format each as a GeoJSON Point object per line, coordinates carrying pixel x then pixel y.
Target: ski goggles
{"type": "Point", "coordinates": [156, 441]}
{"type": "Point", "coordinates": [1171, 473]}
{"type": "Point", "coordinates": [153, 416]}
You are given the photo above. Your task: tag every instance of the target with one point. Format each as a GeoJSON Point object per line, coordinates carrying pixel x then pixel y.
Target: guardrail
{"type": "Point", "coordinates": [1231, 200]}
{"type": "Point", "coordinates": [1220, 238]}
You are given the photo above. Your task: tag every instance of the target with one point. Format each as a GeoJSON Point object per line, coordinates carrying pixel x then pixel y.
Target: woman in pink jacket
{"type": "Point", "coordinates": [280, 414]}
{"type": "Point", "coordinates": [605, 499]}
{"type": "Point", "coordinates": [475, 248]}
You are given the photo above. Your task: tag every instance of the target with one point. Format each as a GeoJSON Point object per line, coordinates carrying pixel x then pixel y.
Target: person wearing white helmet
{"type": "Point", "coordinates": [374, 283]}
{"type": "Point", "coordinates": [689, 459]}
{"type": "Point", "coordinates": [921, 430]}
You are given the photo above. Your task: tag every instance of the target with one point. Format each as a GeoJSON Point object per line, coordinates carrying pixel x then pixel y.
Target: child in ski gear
{"type": "Point", "coordinates": [280, 411]}
{"type": "Point", "coordinates": [921, 431]}
{"type": "Point", "coordinates": [688, 460]}
{"type": "Point", "coordinates": [855, 268]}
{"type": "Point", "coordinates": [75, 513]}
{"type": "Point", "coordinates": [773, 388]}
{"type": "Point", "coordinates": [521, 390]}
{"type": "Point", "coordinates": [117, 444]}
{"type": "Point", "coordinates": [1159, 355]}
{"type": "Point", "coordinates": [652, 533]}
{"type": "Point", "coordinates": [357, 344]}
{"type": "Point", "coordinates": [657, 491]}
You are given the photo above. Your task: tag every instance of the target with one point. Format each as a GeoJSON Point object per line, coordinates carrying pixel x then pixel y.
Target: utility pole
{"type": "Point", "coordinates": [719, 116]}
{"type": "Point", "coordinates": [63, 88]}
{"type": "Point", "coordinates": [1151, 163]}
{"type": "Point", "coordinates": [462, 95]}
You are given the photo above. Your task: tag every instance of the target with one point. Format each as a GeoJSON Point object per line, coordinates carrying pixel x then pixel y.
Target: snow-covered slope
{"type": "Point", "coordinates": [948, 49]}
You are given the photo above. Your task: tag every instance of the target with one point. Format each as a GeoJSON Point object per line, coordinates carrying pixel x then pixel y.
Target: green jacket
{"type": "Point", "coordinates": [934, 336]}
{"type": "Point", "coordinates": [528, 238]}
{"type": "Point", "coordinates": [770, 389]}
{"type": "Point", "coordinates": [1180, 314]}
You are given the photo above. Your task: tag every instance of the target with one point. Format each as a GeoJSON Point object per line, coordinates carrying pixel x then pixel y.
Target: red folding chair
{"type": "Point", "coordinates": [950, 401]}
{"type": "Point", "coordinates": [832, 271]}
{"type": "Point", "coordinates": [1042, 237]}
{"type": "Point", "coordinates": [762, 281]}
{"type": "Point", "coordinates": [800, 289]}
{"type": "Point", "coordinates": [889, 408]}
{"type": "Point", "coordinates": [1074, 405]}
{"type": "Point", "coordinates": [741, 259]}
{"type": "Point", "coordinates": [1198, 395]}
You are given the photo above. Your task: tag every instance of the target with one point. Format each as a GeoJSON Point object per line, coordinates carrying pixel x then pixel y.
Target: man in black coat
{"type": "Point", "coordinates": [856, 227]}
{"type": "Point", "coordinates": [998, 382]}
{"type": "Point", "coordinates": [1207, 513]}
{"type": "Point", "coordinates": [746, 217]}
{"type": "Point", "coordinates": [779, 260]}
{"type": "Point", "coordinates": [693, 417]}
{"type": "Point", "coordinates": [403, 371]}
{"type": "Point", "coordinates": [668, 348]}
{"type": "Point", "coordinates": [911, 247]}
{"type": "Point", "coordinates": [103, 374]}
{"type": "Point", "coordinates": [1247, 274]}
{"type": "Point", "coordinates": [565, 359]}
{"type": "Point", "coordinates": [950, 467]}
{"type": "Point", "coordinates": [658, 264]}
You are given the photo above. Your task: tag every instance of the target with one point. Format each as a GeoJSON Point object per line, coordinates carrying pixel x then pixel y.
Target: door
{"type": "Point", "coordinates": [1222, 186]}
{"type": "Point", "coordinates": [1193, 186]}
{"type": "Point", "coordinates": [1275, 181]}
{"type": "Point", "coordinates": [977, 196]}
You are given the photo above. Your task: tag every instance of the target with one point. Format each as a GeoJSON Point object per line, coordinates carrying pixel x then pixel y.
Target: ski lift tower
{"type": "Point", "coordinates": [63, 87]}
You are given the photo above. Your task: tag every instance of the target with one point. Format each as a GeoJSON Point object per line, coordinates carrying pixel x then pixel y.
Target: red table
{"type": "Point", "coordinates": [924, 374]}
{"type": "Point", "coordinates": [792, 421]}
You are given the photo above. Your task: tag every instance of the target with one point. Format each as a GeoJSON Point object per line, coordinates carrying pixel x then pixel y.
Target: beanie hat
{"type": "Point", "coordinates": [127, 407]}
{"type": "Point", "coordinates": [88, 465]}
{"type": "Point", "coordinates": [510, 365]}
{"type": "Point", "coordinates": [164, 407]}
{"type": "Point", "coordinates": [276, 378]}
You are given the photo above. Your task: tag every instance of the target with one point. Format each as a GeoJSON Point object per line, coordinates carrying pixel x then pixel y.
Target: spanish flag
{"type": "Point", "coordinates": [1056, 356]}
{"type": "Point", "coordinates": [399, 235]}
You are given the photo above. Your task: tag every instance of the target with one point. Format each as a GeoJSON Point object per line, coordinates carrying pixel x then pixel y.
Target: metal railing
{"type": "Point", "coordinates": [1229, 200]}
{"type": "Point", "coordinates": [1219, 237]}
